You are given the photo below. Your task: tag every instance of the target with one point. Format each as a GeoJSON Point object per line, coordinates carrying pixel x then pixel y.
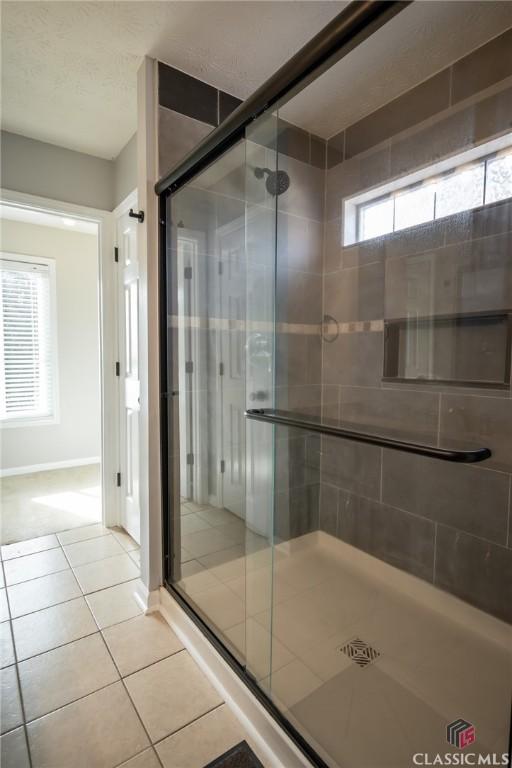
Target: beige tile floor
{"type": "Point", "coordinates": [48, 502]}
{"type": "Point", "coordinates": [87, 680]}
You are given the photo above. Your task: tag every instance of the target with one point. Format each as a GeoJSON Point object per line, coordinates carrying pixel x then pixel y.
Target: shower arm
{"type": "Point", "coordinates": [287, 419]}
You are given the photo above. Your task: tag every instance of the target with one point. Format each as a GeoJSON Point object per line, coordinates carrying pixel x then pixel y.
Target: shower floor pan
{"type": "Point", "coordinates": [370, 663]}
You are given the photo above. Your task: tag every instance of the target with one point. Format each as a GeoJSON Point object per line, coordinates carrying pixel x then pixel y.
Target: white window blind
{"type": "Point", "coordinates": [27, 354]}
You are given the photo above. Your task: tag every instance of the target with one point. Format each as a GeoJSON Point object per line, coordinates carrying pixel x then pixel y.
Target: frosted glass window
{"type": "Point", "coordinates": [415, 206]}
{"type": "Point", "coordinates": [432, 193]}
{"type": "Point", "coordinates": [376, 219]}
{"type": "Point", "coordinates": [499, 178]}
{"type": "Point", "coordinates": [460, 191]}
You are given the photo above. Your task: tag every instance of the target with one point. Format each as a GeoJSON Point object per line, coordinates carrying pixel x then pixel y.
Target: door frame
{"type": "Point", "coordinates": [107, 333]}
{"type": "Point", "coordinates": [129, 202]}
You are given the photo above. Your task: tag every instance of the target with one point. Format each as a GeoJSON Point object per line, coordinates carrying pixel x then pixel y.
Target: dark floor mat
{"type": "Point", "coordinates": [240, 756]}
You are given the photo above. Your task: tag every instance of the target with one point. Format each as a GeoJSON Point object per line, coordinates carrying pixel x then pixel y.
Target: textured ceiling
{"type": "Point", "coordinates": [69, 68]}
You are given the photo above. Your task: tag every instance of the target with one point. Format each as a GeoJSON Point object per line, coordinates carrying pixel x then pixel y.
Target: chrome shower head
{"type": "Point", "coordinates": [276, 183]}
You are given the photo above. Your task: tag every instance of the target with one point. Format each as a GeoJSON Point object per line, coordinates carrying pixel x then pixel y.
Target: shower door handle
{"type": "Point", "coordinates": [287, 419]}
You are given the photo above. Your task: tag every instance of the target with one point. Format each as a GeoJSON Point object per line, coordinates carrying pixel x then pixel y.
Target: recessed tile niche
{"type": "Point", "coordinates": [464, 350]}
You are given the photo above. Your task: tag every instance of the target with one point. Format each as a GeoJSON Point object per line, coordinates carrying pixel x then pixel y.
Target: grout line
{"type": "Point", "coordinates": [195, 720]}
{"type": "Point", "coordinates": [28, 554]}
{"type": "Point", "coordinates": [439, 408]}
{"type": "Point", "coordinates": [20, 692]}
{"type": "Point", "coordinates": [70, 599]}
{"type": "Point", "coordinates": [60, 645]}
{"type": "Point", "coordinates": [509, 520]}
{"type": "Point", "coordinates": [381, 474]}
{"type": "Point", "coordinates": [127, 691]}
{"type": "Point", "coordinates": [434, 564]}
{"type": "Point", "coordinates": [79, 698]}
{"type": "Point", "coordinates": [42, 576]}
{"type": "Point", "coordinates": [146, 749]}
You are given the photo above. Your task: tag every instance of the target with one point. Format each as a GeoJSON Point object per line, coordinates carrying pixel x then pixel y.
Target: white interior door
{"type": "Point", "coordinates": [232, 300]}
{"type": "Point", "coordinates": [129, 390]}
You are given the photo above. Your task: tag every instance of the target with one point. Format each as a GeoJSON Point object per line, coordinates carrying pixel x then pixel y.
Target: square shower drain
{"type": "Point", "coordinates": [360, 652]}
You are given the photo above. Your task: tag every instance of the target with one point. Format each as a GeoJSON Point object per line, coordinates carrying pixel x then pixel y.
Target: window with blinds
{"type": "Point", "coordinates": [27, 354]}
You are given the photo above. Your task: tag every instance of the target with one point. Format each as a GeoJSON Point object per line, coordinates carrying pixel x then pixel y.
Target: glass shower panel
{"type": "Point", "coordinates": [347, 265]}
{"type": "Point", "coordinates": [391, 602]}
{"type": "Point", "coordinates": [221, 268]}
{"type": "Point", "coordinates": [260, 147]}
{"type": "Point", "coordinates": [207, 285]}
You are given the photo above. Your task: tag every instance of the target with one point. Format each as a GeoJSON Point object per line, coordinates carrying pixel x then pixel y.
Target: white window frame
{"type": "Point", "coordinates": [352, 206]}
{"type": "Point", "coordinates": [54, 418]}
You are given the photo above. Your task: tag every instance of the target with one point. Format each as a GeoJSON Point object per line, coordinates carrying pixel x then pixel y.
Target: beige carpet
{"type": "Point", "coordinates": [48, 502]}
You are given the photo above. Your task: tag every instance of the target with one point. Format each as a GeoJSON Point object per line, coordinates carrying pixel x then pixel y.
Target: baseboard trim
{"type": "Point", "coordinates": [147, 601]}
{"type": "Point", "coordinates": [269, 738]}
{"type": "Point", "coordinates": [11, 471]}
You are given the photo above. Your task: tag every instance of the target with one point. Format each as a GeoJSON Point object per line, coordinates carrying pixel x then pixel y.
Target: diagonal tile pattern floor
{"type": "Point", "coordinates": [88, 681]}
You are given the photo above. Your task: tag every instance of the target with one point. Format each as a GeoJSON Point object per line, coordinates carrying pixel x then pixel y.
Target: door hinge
{"type": "Point", "coordinates": [118, 479]}
{"type": "Point", "coordinates": [118, 368]}
{"type": "Point", "coordinates": [222, 465]}
{"type": "Point", "coordinates": [188, 273]}
{"type": "Point", "coordinates": [189, 366]}
{"type": "Point", "coordinates": [220, 267]}
{"type": "Point", "coordinates": [190, 458]}
{"type": "Point", "coordinates": [116, 254]}
{"type": "Point", "coordinates": [221, 369]}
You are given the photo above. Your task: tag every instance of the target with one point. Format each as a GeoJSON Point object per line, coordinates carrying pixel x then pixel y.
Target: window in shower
{"type": "Point", "coordinates": [460, 184]}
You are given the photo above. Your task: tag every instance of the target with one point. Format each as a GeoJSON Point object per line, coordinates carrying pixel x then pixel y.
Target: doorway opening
{"type": "Point", "coordinates": [50, 372]}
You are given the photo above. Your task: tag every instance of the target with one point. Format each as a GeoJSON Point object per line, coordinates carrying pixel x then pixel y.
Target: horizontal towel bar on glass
{"type": "Point", "coordinates": [286, 419]}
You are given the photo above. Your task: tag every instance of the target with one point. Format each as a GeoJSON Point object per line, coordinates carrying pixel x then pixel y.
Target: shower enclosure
{"type": "Point", "coordinates": [336, 393]}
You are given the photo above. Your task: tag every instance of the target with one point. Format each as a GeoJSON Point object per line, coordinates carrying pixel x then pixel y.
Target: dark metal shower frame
{"type": "Point", "coordinates": [358, 21]}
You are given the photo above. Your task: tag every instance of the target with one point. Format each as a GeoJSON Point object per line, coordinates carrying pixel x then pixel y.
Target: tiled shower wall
{"type": "Point", "coordinates": [445, 523]}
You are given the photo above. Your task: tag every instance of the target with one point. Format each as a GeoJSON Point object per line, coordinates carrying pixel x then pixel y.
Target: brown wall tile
{"type": "Point", "coordinates": [329, 509]}
{"type": "Point", "coordinates": [453, 133]}
{"type": "Point", "coordinates": [411, 108]}
{"type": "Point", "coordinates": [397, 412]}
{"type": "Point", "coordinates": [484, 421]}
{"type": "Point", "coordinates": [354, 359]}
{"type": "Point", "coordinates": [355, 467]}
{"type": "Point", "coordinates": [177, 136]}
{"type": "Point", "coordinates": [475, 570]}
{"type": "Point", "coordinates": [484, 67]}
{"type": "Point", "coordinates": [352, 176]}
{"type": "Point", "coordinates": [392, 535]}
{"type": "Point", "coordinates": [468, 498]}
{"type": "Point", "coordinates": [474, 276]}
{"type": "Point", "coordinates": [355, 294]}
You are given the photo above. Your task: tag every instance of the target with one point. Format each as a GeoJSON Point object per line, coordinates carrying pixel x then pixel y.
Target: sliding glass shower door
{"type": "Point", "coordinates": [339, 339]}
{"type": "Point", "coordinates": [221, 283]}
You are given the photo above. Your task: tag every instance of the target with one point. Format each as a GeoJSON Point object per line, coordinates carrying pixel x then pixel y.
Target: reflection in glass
{"type": "Point", "coordinates": [460, 191]}
{"type": "Point", "coordinates": [415, 206]}
{"type": "Point", "coordinates": [499, 178]}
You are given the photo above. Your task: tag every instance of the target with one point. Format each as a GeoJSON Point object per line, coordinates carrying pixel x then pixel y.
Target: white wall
{"type": "Point", "coordinates": [50, 171]}
{"type": "Point", "coordinates": [125, 171]}
{"type": "Point", "coordinates": [47, 170]}
{"type": "Point", "coordinates": [78, 433]}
